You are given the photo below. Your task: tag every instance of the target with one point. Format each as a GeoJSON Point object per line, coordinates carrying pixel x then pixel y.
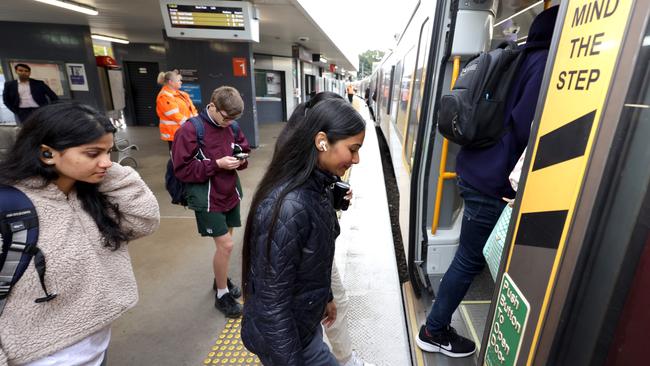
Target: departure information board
{"type": "Point", "coordinates": [236, 21]}
{"type": "Point", "coordinates": [206, 17]}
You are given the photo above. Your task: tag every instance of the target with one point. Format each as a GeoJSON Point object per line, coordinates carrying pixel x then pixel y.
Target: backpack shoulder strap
{"type": "Point", "coordinates": [19, 229]}
{"type": "Point", "coordinates": [200, 130]}
{"type": "Point", "coordinates": [234, 126]}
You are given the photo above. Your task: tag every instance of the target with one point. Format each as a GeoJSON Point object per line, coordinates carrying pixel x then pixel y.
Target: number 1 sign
{"type": "Point", "coordinates": [239, 67]}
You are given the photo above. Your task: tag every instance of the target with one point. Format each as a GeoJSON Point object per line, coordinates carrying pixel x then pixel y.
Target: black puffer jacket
{"type": "Point", "coordinates": [287, 294]}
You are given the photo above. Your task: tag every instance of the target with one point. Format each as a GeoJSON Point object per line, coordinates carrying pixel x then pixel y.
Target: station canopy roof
{"type": "Point", "coordinates": [283, 23]}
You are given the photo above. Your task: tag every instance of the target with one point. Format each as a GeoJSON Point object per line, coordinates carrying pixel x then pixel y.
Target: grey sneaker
{"type": "Point", "coordinates": [228, 305]}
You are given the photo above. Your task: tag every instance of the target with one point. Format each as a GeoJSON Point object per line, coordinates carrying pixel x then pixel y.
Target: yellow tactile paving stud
{"type": "Point", "coordinates": [229, 350]}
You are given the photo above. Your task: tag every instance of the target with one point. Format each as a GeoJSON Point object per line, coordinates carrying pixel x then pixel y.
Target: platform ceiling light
{"type": "Point", "coordinates": [109, 39]}
{"type": "Point", "coordinates": [71, 5]}
{"type": "Point", "coordinates": [517, 14]}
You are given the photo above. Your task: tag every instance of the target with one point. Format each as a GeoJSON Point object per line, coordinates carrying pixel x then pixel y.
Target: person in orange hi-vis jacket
{"type": "Point", "coordinates": [350, 90]}
{"type": "Point", "coordinates": [173, 106]}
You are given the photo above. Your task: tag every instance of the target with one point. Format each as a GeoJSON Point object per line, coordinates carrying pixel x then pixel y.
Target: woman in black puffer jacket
{"type": "Point", "coordinates": [290, 233]}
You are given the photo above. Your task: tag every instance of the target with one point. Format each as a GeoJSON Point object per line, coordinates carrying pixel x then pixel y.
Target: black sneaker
{"type": "Point", "coordinates": [228, 306]}
{"type": "Point", "coordinates": [446, 341]}
{"type": "Point", "coordinates": [234, 290]}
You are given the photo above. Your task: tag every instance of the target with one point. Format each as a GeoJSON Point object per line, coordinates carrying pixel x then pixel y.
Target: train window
{"type": "Point", "coordinates": [418, 91]}
{"type": "Point", "coordinates": [404, 94]}
{"type": "Point", "coordinates": [396, 90]}
{"type": "Point", "coordinates": [388, 89]}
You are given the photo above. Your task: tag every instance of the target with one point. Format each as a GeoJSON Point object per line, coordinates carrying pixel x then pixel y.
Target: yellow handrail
{"type": "Point", "coordinates": [443, 173]}
{"type": "Point", "coordinates": [455, 71]}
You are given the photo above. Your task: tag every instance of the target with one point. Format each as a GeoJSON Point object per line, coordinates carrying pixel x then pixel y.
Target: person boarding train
{"type": "Point", "coordinates": [483, 182]}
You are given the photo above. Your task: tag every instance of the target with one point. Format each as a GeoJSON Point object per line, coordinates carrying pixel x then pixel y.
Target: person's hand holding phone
{"type": "Point", "coordinates": [229, 163]}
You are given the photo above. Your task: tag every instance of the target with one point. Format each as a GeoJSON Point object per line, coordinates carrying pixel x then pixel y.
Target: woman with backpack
{"type": "Point", "coordinates": [290, 233]}
{"type": "Point", "coordinates": [88, 210]}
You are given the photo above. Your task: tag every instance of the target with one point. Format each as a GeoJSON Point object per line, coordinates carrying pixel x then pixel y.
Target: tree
{"type": "Point", "coordinates": [366, 59]}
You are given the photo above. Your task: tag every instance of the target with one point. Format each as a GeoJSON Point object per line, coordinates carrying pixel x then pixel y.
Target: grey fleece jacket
{"type": "Point", "coordinates": [95, 285]}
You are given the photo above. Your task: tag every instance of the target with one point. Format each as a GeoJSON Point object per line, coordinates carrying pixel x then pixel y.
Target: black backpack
{"type": "Point", "coordinates": [174, 186]}
{"type": "Point", "coordinates": [472, 115]}
{"type": "Point", "coordinates": [18, 239]}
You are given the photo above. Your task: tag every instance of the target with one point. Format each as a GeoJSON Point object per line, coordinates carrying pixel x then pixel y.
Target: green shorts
{"type": "Point", "coordinates": [217, 223]}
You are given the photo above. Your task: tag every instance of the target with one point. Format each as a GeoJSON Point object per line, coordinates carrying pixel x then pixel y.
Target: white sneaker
{"type": "Point", "coordinates": [355, 360]}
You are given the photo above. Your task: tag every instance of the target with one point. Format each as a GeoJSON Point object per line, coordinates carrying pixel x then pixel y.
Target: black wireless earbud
{"type": "Point", "coordinates": [47, 154]}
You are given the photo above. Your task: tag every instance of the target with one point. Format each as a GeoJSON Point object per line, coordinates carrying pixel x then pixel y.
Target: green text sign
{"type": "Point", "coordinates": [508, 325]}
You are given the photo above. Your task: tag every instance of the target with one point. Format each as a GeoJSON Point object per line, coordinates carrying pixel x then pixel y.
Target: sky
{"type": "Point", "coordinates": [359, 25]}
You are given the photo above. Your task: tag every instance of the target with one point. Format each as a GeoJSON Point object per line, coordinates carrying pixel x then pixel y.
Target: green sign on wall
{"type": "Point", "coordinates": [508, 325]}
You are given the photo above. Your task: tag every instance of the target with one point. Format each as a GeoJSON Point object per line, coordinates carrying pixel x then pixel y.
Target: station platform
{"type": "Point", "coordinates": [175, 322]}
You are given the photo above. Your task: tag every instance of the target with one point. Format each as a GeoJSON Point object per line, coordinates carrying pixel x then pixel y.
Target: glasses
{"type": "Point", "coordinates": [225, 116]}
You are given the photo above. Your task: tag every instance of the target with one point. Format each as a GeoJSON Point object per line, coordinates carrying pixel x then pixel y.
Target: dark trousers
{"type": "Point", "coordinates": [315, 354]}
{"type": "Point", "coordinates": [23, 113]}
{"type": "Point", "coordinates": [350, 96]}
{"type": "Point", "coordinates": [479, 217]}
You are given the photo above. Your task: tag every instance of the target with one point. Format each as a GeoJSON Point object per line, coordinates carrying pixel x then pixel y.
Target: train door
{"type": "Point", "coordinates": [437, 207]}
{"type": "Point", "coordinates": [396, 91]}
{"type": "Point", "coordinates": [417, 104]}
{"type": "Point", "coordinates": [572, 292]}
{"type": "Point", "coordinates": [405, 88]}
{"type": "Point", "coordinates": [142, 91]}
{"type": "Point", "coordinates": [577, 249]}
{"type": "Point", "coordinates": [383, 109]}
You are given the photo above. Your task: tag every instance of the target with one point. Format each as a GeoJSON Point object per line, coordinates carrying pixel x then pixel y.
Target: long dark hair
{"type": "Point", "coordinates": [295, 157]}
{"type": "Point", "coordinates": [62, 126]}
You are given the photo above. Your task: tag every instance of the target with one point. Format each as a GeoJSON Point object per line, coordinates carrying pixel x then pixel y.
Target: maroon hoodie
{"type": "Point", "coordinates": [218, 142]}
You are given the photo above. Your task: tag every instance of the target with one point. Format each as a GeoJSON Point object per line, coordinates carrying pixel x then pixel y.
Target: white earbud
{"type": "Point", "coordinates": [323, 145]}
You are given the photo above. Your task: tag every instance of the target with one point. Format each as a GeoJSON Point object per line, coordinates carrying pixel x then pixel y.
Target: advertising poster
{"type": "Point", "coordinates": [50, 72]}
{"type": "Point", "coordinates": [194, 90]}
{"type": "Point", "coordinates": [77, 77]}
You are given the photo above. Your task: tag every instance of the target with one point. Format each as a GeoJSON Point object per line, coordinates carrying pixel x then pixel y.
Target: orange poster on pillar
{"type": "Point", "coordinates": [239, 66]}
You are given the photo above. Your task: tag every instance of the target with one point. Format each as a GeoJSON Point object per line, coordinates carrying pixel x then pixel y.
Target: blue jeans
{"type": "Point", "coordinates": [479, 217]}
{"type": "Point", "coordinates": [316, 353]}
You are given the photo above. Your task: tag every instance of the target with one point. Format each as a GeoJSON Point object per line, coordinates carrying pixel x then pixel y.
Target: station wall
{"type": "Point", "coordinates": [53, 42]}
{"type": "Point", "coordinates": [213, 62]}
{"type": "Point", "coordinates": [144, 52]}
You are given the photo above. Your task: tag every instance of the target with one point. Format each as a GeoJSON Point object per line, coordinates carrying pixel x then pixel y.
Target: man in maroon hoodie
{"type": "Point", "coordinates": [213, 189]}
